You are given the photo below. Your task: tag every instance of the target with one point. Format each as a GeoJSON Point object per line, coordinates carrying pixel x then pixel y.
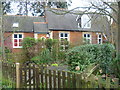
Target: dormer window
{"type": "Point", "coordinates": [78, 19]}
{"type": "Point", "coordinates": [16, 24]}
{"type": "Point", "coordinates": [85, 21]}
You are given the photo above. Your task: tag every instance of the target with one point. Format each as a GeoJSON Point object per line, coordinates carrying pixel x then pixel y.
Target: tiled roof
{"type": "Point", "coordinates": [53, 21]}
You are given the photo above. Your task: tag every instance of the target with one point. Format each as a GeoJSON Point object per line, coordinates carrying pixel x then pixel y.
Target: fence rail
{"type": "Point", "coordinates": [34, 76]}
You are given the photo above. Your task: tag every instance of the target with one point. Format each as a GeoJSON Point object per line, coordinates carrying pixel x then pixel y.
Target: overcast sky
{"type": "Point", "coordinates": [78, 3]}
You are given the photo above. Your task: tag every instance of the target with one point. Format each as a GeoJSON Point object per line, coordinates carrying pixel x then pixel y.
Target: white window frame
{"type": "Point", "coordinates": [68, 38]}
{"type": "Point", "coordinates": [17, 39]}
{"type": "Point", "coordinates": [15, 25]}
{"type": "Point", "coordinates": [87, 38]}
{"type": "Point", "coordinates": [43, 37]}
{"type": "Point", "coordinates": [85, 21]}
{"type": "Point", "coordinates": [99, 38]}
{"type": "Point", "coordinates": [35, 35]}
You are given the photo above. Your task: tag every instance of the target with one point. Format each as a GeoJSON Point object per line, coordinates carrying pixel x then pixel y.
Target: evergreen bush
{"type": "Point", "coordinates": [85, 55]}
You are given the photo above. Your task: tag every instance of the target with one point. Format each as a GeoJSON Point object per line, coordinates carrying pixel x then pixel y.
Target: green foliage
{"type": "Point", "coordinates": [115, 66]}
{"type": "Point", "coordinates": [55, 64]}
{"type": "Point", "coordinates": [43, 50]}
{"type": "Point", "coordinates": [49, 44]}
{"type": "Point", "coordinates": [28, 42]}
{"type": "Point", "coordinates": [7, 83]}
{"type": "Point", "coordinates": [28, 47]}
{"type": "Point", "coordinates": [91, 53]}
{"type": "Point", "coordinates": [43, 57]}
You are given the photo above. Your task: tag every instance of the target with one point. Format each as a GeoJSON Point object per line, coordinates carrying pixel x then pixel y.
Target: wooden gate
{"type": "Point", "coordinates": [28, 76]}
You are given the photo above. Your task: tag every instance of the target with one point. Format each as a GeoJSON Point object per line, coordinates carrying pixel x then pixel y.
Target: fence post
{"type": "Point", "coordinates": [17, 75]}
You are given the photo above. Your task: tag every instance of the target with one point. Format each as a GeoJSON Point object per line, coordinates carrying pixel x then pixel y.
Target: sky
{"type": "Point", "coordinates": [75, 3]}
{"type": "Point", "coordinates": [78, 3]}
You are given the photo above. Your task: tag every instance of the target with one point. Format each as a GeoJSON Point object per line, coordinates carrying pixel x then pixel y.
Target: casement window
{"type": "Point", "coordinates": [87, 38]}
{"type": "Point", "coordinates": [43, 38]}
{"type": "Point", "coordinates": [15, 25]}
{"type": "Point", "coordinates": [17, 40]}
{"type": "Point", "coordinates": [99, 39]}
{"type": "Point", "coordinates": [85, 21]}
{"type": "Point", "coordinates": [64, 40]}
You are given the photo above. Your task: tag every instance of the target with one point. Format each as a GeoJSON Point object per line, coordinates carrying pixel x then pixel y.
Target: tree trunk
{"type": "Point", "coordinates": [118, 32]}
{"type": "Point", "coordinates": [2, 32]}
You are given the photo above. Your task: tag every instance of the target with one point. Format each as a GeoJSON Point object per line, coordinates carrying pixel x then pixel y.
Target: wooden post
{"type": "Point", "coordinates": [118, 32]}
{"type": "Point", "coordinates": [17, 75]}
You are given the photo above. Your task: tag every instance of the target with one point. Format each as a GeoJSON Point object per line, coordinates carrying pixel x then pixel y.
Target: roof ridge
{"type": "Point", "coordinates": [40, 22]}
{"type": "Point", "coordinates": [24, 16]}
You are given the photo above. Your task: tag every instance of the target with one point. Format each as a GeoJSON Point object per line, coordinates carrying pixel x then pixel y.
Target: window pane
{"type": "Point", "coordinates": [62, 39]}
{"type": "Point", "coordinates": [20, 40]}
{"type": "Point", "coordinates": [20, 35]}
{"type": "Point", "coordinates": [88, 40]}
{"type": "Point", "coordinates": [100, 36]}
{"type": "Point", "coordinates": [15, 40]}
{"type": "Point", "coordinates": [66, 39]}
{"type": "Point", "coordinates": [100, 41]}
{"type": "Point", "coordinates": [20, 44]}
{"type": "Point", "coordinates": [15, 35]}
{"type": "Point", "coordinates": [61, 35]}
{"type": "Point", "coordinates": [88, 35]}
{"type": "Point", "coordinates": [15, 44]}
{"type": "Point", "coordinates": [84, 35]}
{"type": "Point", "coordinates": [66, 35]}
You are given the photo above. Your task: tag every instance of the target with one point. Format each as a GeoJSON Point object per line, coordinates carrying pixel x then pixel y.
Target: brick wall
{"type": "Point", "coordinates": [94, 38]}
{"type": "Point", "coordinates": [75, 38]}
{"type": "Point", "coordinates": [55, 34]}
{"type": "Point", "coordinates": [9, 42]}
{"type": "Point", "coordinates": [42, 35]}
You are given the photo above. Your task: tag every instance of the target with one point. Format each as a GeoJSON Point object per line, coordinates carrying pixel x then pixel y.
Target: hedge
{"type": "Point", "coordinates": [85, 55]}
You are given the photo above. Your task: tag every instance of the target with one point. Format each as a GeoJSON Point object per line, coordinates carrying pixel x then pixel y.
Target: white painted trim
{"type": "Point", "coordinates": [105, 36]}
{"type": "Point", "coordinates": [17, 38]}
{"type": "Point", "coordinates": [87, 37]}
{"type": "Point", "coordinates": [68, 38]}
{"type": "Point", "coordinates": [51, 34]}
{"type": "Point", "coordinates": [85, 20]}
{"type": "Point", "coordinates": [64, 37]}
{"type": "Point", "coordinates": [77, 17]}
{"type": "Point", "coordinates": [43, 37]}
{"type": "Point", "coordinates": [99, 38]}
{"type": "Point", "coordinates": [16, 24]}
{"type": "Point", "coordinates": [35, 35]}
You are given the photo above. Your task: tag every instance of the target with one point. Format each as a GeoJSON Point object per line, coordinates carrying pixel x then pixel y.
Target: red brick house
{"type": "Point", "coordinates": [71, 27]}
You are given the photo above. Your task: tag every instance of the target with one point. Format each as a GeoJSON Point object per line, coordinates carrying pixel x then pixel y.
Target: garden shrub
{"type": "Point", "coordinates": [28, 47]}
{"type": "Point", "coordinates": [43, 58]}
{"type": "Point", "coordinates": [42, 50]}
{"type": "Point", "coordinates": [28, 42]}
{"type": "Point", "coordinates": [115, 66]}
{"type": "Point", "coordinates": [91, 53]}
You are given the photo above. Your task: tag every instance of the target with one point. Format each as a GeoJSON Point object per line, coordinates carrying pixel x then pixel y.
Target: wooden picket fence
{"type": "Point", "coordinates": [9, 74]}
{"type": "Point", "coordinates": [35, 76]}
